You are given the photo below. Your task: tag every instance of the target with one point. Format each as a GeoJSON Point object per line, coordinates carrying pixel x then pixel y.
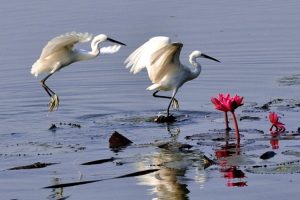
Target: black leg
{"type": "Point", "coordinates": [47, 89]}
{"type": "Point", "coordinates": [166, 97]}
{"type": "Point", "coordinates": [159, 96]}
{"type": "Point", "coordinates": [168, 110]}
{"type": "Point", "coordinates": [54, 101]}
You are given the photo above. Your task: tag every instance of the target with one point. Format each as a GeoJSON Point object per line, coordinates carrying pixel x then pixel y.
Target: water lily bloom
{"type": "Point", "coordinates": [279, 128]}
{"type": "Point", "coordinates": [237, 101]}
{"type": "Point", "coordinates": [221, 103]}
{"type": "Point", "coordinates": [274, 119]}
{"type": "Point", "coordinates": [226, 104]}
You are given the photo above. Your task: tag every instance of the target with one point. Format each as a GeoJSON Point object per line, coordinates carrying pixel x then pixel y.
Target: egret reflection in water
{"type": "Point", "coordinates": [170, 181]}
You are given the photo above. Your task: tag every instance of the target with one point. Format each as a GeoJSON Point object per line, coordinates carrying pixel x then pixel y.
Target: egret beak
{"type": "Point", "coordinates": [208, 57]}
{"type": "Point", "coordinates": [115, 41]}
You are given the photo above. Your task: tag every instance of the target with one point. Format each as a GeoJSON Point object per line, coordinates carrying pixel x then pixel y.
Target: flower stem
{"type": "Point", "coordinates": [226, 121]}
{"type": "Point", "coordinates": [237, 133]}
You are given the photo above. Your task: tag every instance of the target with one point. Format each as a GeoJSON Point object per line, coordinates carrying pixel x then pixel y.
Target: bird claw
{"type": "Point", "coordinates": [54, 103]}
{"type": "Point", "coordinates": [175, 104]}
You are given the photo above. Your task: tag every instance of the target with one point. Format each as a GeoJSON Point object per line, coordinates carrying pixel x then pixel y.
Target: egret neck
{"type": "Point", "coordinates": [196, 70]}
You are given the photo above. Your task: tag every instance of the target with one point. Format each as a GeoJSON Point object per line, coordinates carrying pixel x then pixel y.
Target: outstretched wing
{"type": "Point", "coordinates": [140, 58]}
{"type": "Point", "coordinates": [158, 55]}
{"type": "Point", "coordinates": [65, 41]}
{"type": "Point", "coordinates": [163, 61]}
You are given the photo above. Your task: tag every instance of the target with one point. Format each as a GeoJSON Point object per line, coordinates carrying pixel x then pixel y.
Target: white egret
{"type": "Point", "coordinates": [161, 59]}
{"type": "Point", "coordinates": [60, 52]}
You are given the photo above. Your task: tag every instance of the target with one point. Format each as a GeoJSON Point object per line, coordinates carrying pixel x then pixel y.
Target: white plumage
{"type": "Point", "coordinates": [57, 51]}
{"type": "Point", "coordinates": [161, 59]}
{"type": "Point", "coordinates": [60, 52]}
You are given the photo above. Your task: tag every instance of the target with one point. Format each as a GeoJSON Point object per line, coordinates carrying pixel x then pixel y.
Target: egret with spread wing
{"type": "Point", "coordinates": [161, 59]}
{"type": "Point", "coordinates": [60, 52]}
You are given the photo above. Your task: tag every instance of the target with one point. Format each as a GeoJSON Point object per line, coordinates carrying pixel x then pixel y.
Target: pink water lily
{"type": "Point", "coordinates": [274, 119]}
{"type": "Point", "coordinates": [226, 104]}
{"type": "Point", "coordinates": [237, 101]}
{"type": "Point", "coordinates": [221, 103]}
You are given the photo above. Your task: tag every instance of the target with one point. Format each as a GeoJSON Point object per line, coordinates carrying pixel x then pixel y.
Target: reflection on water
{"type": "Point", "coordinates": [57, 193]}
{"type": "Point", "coordinates": [169, 182]}
{"type": "Point", "coordinates": [256, 41]}
{"type": "Point", "coordinates": [235, 176]}
{"type": "Point", "coordinates": [274, 140]}
{"type": "Point", "coordinates": [166, 184]}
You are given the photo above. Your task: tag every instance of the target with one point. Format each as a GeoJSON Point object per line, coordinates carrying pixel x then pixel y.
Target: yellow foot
{"type": "Point", "coordinates": [54, 103]}
{"type": "Point", "coordinates": [175, 104]}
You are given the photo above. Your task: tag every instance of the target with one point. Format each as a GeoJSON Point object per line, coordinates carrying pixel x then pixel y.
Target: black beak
{"type": "Point", "coordinates": [115, 41]}
{"type": "Point", "coordinates": [208, 57]}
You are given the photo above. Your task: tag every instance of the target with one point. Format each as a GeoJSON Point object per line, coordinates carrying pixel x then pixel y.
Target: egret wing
{"type": "Point", "coordinates": [65, 41]}
{"type": "Point", "coordinates": [163, 61]}
{"type": "Point", "coordinates": [140, 58]}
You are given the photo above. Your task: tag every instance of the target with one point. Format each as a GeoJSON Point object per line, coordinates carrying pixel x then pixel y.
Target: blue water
{"type": "Point", "coordinates": [256, 42]}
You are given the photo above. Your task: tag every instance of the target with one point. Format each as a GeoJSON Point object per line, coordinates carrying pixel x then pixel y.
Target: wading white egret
{"type": "Point", "coordinates": [60, 52]}
{"type": "Point", "coordinates": [161, 59]}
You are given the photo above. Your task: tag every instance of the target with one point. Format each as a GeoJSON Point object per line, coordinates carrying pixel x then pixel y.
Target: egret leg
{"type": "Point", "coordinates": [48, 90]}
{"type": "Point", "coordinates": [54, 101]}
{"type": "Point", "coordinates": [173, 102]}
{"type": "Point", "coordinates": [168, 110]}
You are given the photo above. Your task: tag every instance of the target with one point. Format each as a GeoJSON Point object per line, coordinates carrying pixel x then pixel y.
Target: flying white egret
{"type": "Point", "coordinates": [60, 52]}
{"type": "Point", "coordinates": [161, 58]}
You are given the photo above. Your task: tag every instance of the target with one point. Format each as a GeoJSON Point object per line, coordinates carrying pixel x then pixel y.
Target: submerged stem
{"type": "Point", "coordinates": [226, 138]}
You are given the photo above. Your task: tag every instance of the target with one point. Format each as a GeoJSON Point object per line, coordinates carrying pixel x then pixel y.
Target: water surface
{"type": "Point", "coordinates": [256, 41]}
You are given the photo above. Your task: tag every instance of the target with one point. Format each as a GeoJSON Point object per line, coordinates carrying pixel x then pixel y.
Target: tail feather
{"type": "Point", "coordinates": [153, 86]}
{"type": "Point", "coordinates": [42, 66]}
{"type": "Point", "coordinates": [36, 69]}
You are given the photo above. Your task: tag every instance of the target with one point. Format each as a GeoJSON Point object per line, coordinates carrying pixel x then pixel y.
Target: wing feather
{"type": "Point", "coordinates": [164, 60]}
{"type": "Point", "coordinates": [65, 41]}
{"type": "Point", "coordinates": [140, 58]}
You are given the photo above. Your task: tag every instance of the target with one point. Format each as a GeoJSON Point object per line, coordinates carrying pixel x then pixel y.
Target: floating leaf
{"type": "Point", "coordinates": [117, 141]}
{"type": "Point", "coordinates": [139, 173]}
{"type": "Point", "coordinates": [32, 166]}
{"type": "Point", "coordinates": [282, 168]}
{"type": "Point", "coordinates": [267, 155]}
{"type": "Point", "coordinates": [96, 162]}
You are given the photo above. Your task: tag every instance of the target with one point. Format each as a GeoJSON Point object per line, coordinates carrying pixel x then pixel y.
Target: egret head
{"type": "Point", "coordinates": [100, 38]}
{"type": "Point", "coordinates": [197, 54]}
{"type": "Point", "coordinates": [108, 49]}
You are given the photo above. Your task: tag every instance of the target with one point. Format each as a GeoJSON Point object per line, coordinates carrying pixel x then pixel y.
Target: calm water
{"type": "Point", "coordinates": [256, 41]}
